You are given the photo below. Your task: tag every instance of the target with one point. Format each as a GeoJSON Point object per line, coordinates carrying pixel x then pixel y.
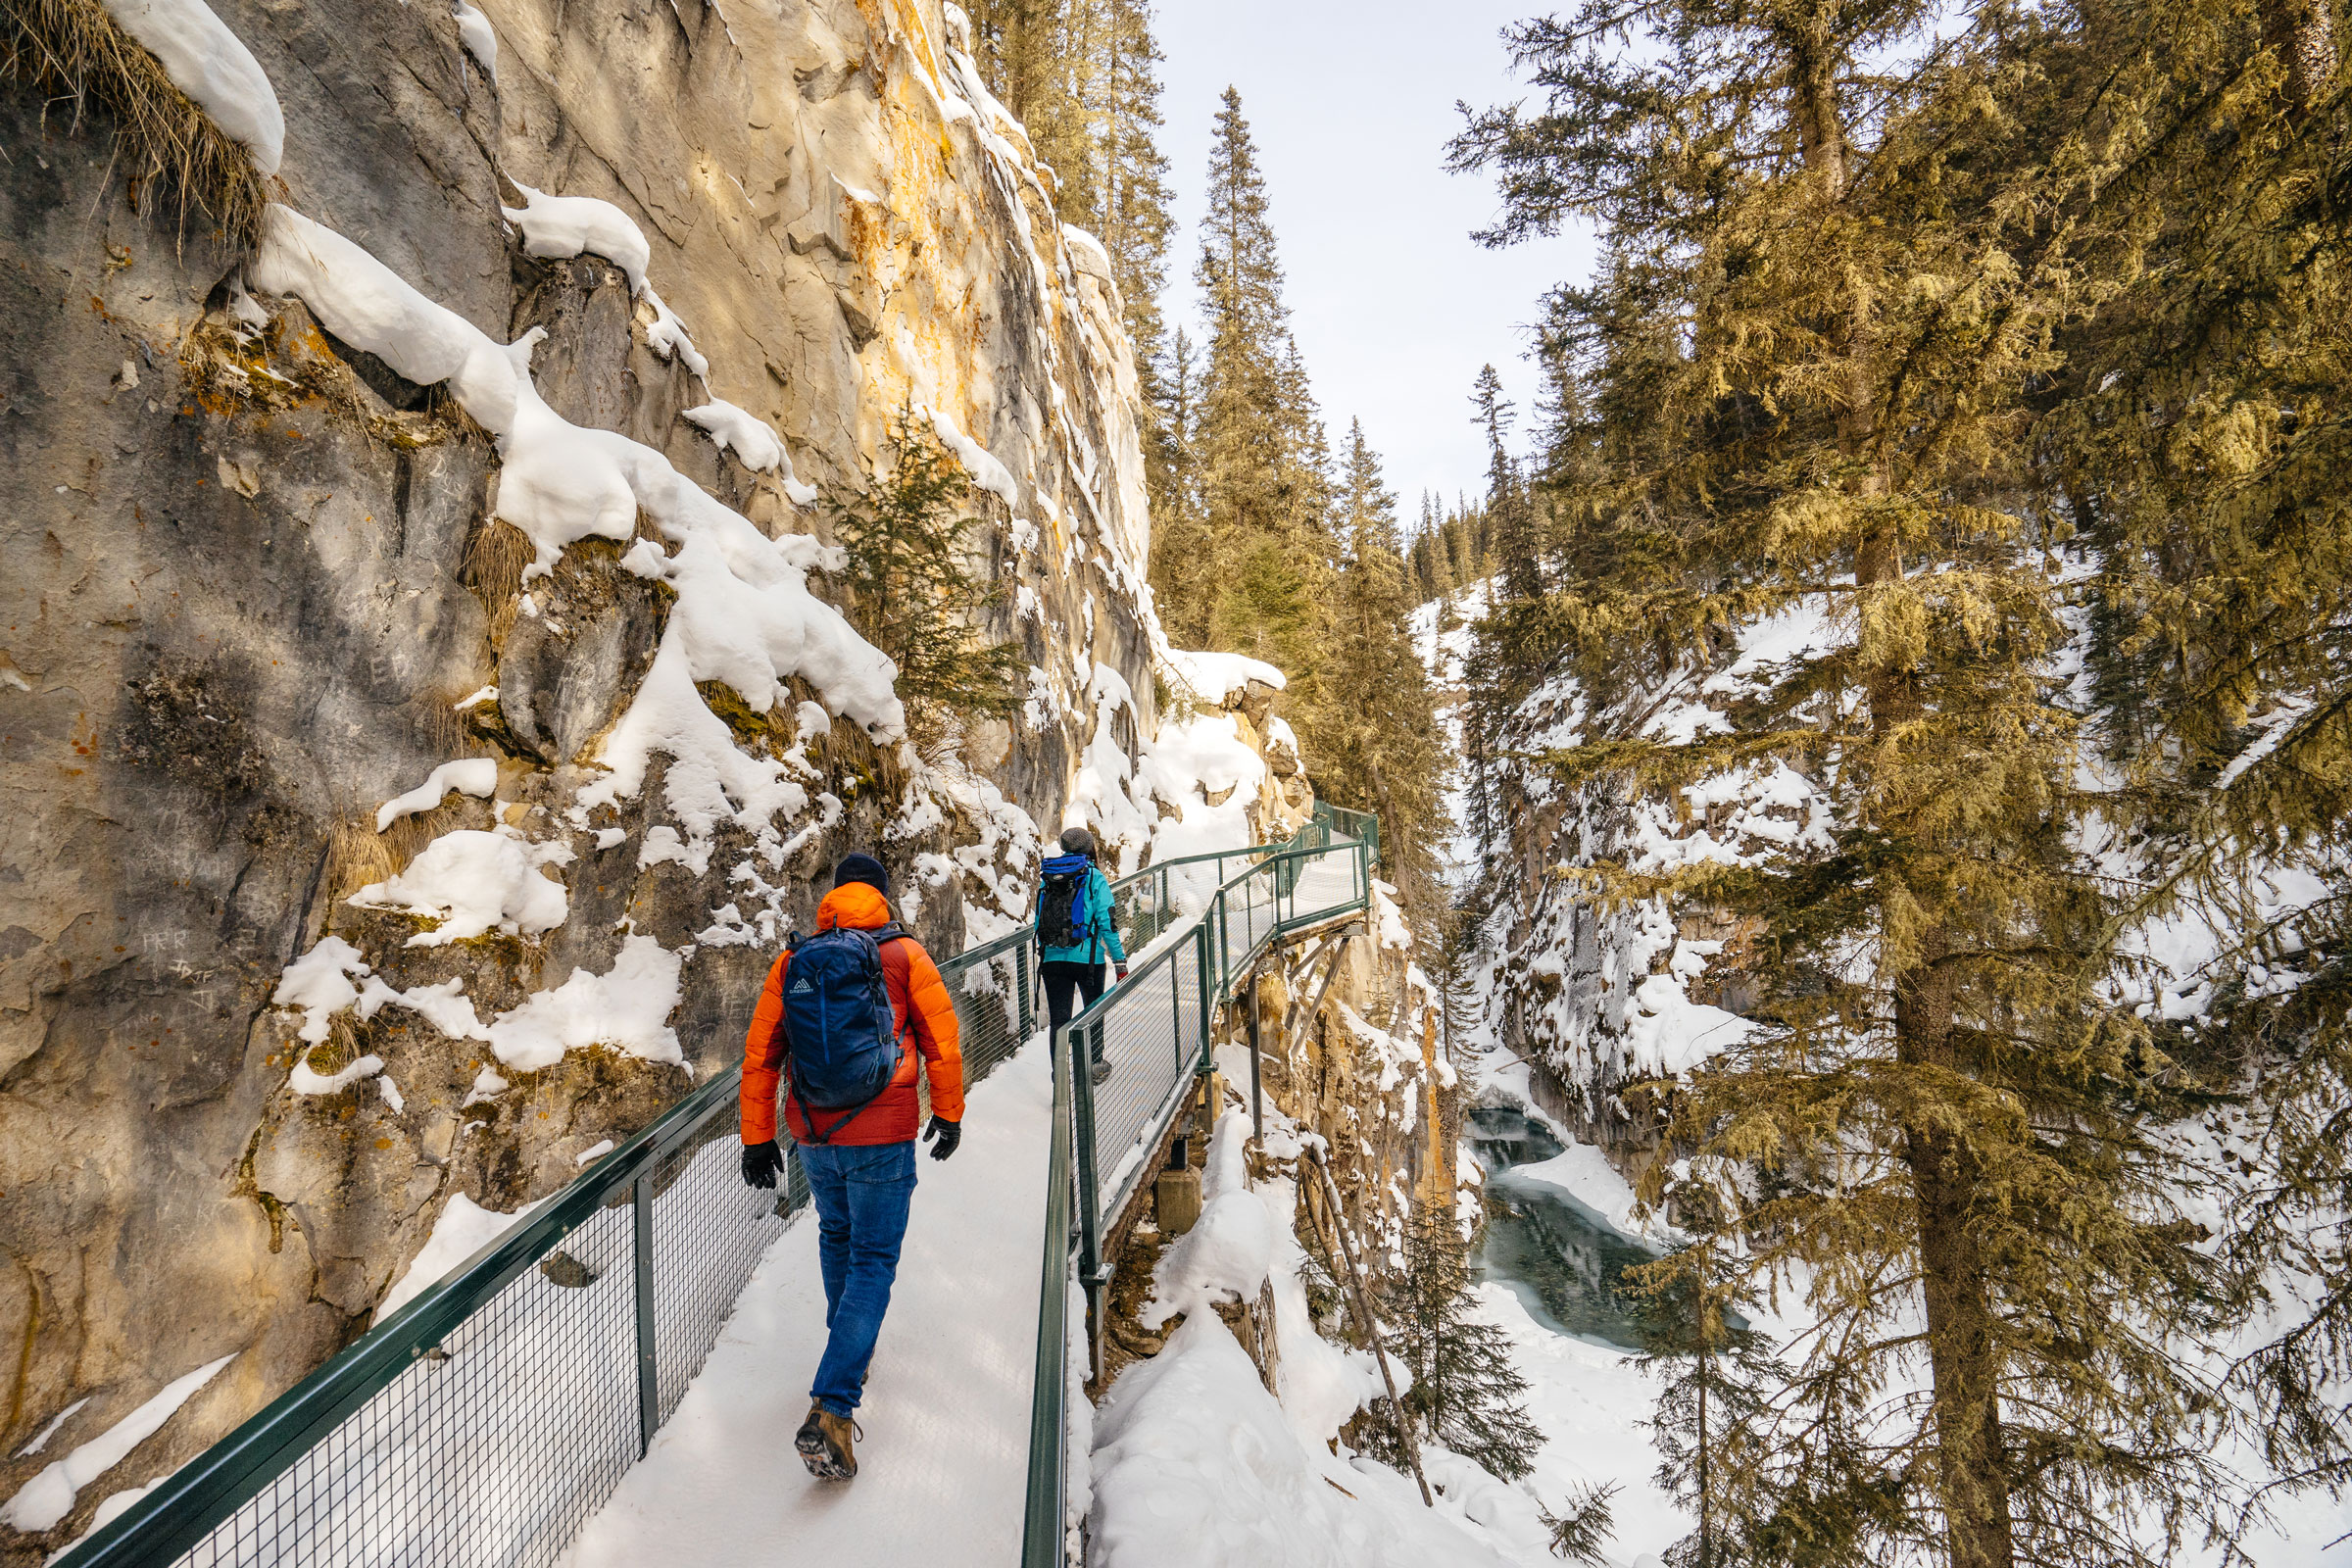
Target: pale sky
{"type": "Point", "coordinates": [1351, 102]}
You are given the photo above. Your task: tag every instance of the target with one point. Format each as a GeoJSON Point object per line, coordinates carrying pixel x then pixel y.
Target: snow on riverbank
{"type": "Point", "coordinates": [1196, 1465]}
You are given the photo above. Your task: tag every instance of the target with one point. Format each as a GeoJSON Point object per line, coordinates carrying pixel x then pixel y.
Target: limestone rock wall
{"type": "Point", "coordinates": [252, 579]}
{"type": "Point", "coordinates": [1350, 1027]}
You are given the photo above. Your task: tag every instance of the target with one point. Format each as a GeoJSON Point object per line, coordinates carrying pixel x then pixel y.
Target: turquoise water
{"type": "Point", "coordinates": [1563, 1261]}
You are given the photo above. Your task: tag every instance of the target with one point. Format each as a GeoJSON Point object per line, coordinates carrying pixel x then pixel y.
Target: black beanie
{"type": "Point", "coordinates": [863, 868]}
{"type": "Point", "coordinates": [1077, 841]}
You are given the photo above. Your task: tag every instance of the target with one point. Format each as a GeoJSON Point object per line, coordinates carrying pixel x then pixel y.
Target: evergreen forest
{"type": "Point", "coordinates": [1961, 393]}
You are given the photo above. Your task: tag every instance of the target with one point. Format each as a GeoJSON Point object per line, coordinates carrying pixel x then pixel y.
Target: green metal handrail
{"type": "Point", "coordinates": [1045, 1526]}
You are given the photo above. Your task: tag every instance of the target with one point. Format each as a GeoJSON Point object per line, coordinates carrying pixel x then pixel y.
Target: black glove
{"type": "Point", "coordinates": [948, 1133]}
{"type": "Point", "coordinates": [1121, 975]}
{"type": "Point", "coordinates": [761, 1164]}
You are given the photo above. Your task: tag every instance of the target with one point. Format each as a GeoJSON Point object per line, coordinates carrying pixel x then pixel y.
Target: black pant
{"type": "Point", "coordinates": [1061, 980]}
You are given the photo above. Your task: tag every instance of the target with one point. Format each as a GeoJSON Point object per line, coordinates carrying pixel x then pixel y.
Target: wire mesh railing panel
{"type": "Point", "coordinates": [710, 1232]}
{"type": "Point", "coordinates": [1349, 826]}
{"type": "Point", "coordinates": [1143, 910]}
{"type": "Point", "coordinates": [493, 1449]}
{"type": "Point", "coordinates": [1185, 1004]}
{"type": "Point", "coordinates": [1325, 883]}
{"type": "Point", "coordinates": [1136, 1035]}
{"type": "Point", "coordinates": [993, 993]}
{"type": "Point", "coordinates": [1193, 884]}
{"type": "Point", "coordinates": [1233, 934]}
{"type": "Point", "coordinates": [1258, 895]}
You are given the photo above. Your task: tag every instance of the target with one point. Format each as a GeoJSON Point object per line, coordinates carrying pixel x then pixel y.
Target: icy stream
{"type": "Point", "coordinates": [1563, 1261]}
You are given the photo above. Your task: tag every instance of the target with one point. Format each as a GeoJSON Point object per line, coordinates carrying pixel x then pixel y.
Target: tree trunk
{"type": "Point", "coordinates": [1705, 1533]}
{"type": "Point", "coordinates": [2302, 33]}
{"type": "Point", "coordinates": [1813, 103]}
{"type": "Point", "coordinates": [1946, 1177]}
{"type": "Point", "coordinates": [1962, 1348]}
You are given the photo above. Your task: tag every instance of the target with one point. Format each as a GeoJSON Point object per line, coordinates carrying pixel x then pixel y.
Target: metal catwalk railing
{"type": "Point", "coordinates": [488, 1419]}
{"type": "Point", "coordinates": [1153, 1031]}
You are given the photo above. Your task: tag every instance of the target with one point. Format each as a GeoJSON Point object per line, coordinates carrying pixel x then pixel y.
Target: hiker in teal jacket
{"type": "Point", "coordinates": [1070, 970]}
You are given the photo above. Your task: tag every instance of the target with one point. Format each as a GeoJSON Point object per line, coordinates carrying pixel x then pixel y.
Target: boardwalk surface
{"type": "Point", "coordinates": [943, 1465]}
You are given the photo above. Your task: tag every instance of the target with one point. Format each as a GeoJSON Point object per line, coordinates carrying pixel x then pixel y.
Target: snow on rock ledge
{"type": "Point", "coordinates": [214, 68]}
{"type": "Point", "coordinates": [474, 775]}
{"type": "Point", "coordinates": [48, 1496]}
{"type": "Point", "coordinates": [472, 882]}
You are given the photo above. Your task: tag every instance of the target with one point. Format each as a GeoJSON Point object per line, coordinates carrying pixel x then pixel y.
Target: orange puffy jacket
{"type": "Point", "coordinates": [920, 998]}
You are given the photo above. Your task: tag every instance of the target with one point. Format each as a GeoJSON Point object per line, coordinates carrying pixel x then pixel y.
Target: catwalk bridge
{"type": "Point", "coordinates": [616, 1378]}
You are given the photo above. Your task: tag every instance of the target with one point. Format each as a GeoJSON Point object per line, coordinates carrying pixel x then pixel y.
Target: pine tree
{"type": "Point", "coordinates": [914, 593]}
{"type": "Point", "coordinates": [1432, 573]}
{"type": "Point", "coordinates": [1516, 547]}
{"type": "Point", "coordinates": [1183, 566]}
{"type": "Point", "coordinates": [1719, 1380]}
{"type": "Point", "coordinates": [1017, 44]}
{"type": "Point", "coordinates": [1460, 996]}
{"type": "Point", "coordinates": [1258, 450]}
{"type": "Point", "coordinates": [1580, 1534]}
{"type": "Point", "coordinates": [1380, 749]}
{"type": "Point", "coordinates": [1814, 350]}
{"type": "Point", "coordinates": [1083, 77]}
{"type": "Point", "coordinates": [2195, 440]}
{"type": "Point", "coordinates": [1465, 1392]}
{"type": "Point", "coordinates": [1134, 223]}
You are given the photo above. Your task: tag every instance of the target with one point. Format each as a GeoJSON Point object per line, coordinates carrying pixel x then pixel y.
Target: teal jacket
{"type": "Point", "coordinates": [1103, 931]}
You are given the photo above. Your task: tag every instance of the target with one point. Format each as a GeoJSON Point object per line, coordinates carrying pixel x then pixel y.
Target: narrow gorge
{"type": "Point", "coordinates": [1767, 983]}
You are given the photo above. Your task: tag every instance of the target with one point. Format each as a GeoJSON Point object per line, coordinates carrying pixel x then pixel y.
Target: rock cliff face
{"type": "Point", "coordinates": [256, 588]}
{"type": "Point", "coordinates": [1602, 997]}
{"type": "Point", "coordinates": [1347, 1026]}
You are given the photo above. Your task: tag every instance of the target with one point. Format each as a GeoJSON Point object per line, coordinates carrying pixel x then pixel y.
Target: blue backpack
{"type": "Point", "coordinates": [1063, 919]}
{"type": "Point", "coordinates": [841, 1034]}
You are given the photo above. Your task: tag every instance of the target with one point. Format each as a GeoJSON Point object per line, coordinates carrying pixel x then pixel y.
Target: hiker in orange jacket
{"type": "Point", "coordinates": [862, 1171]}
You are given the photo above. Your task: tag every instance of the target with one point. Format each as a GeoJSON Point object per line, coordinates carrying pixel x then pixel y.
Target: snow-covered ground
{"type": "Point", "coordinates": [1196, 1465]}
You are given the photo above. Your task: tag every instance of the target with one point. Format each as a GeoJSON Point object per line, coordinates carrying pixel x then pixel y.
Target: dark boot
{"type": "Point", "coordinates": [826, 1445]}
{"type": "Point", "coordinates": [1101, 1069]}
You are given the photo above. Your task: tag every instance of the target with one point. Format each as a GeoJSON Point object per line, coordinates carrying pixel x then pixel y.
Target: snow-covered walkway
{"type": "Point", "coordinates": [943, 1468]}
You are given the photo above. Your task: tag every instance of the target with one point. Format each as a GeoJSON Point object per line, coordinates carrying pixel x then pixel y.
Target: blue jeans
{"type": "Point", "coordinates": [861, 1194]}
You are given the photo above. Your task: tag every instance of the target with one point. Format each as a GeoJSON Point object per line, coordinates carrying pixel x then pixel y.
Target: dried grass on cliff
{"type": "Point", "coordinates": [172, 154]}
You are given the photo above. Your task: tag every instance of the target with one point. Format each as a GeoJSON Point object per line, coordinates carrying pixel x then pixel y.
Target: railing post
{"type": "Point", "coordinates": [1257, 1103]}
{"type": "Point", "coordinates": [1020, 986]}
{"type": "Point", "coordinates": [649, 1372]}
{"type": "Point", "coordinates": [1082, 1155]}
{"type": "Point", "coordinates": [1043, 1528]}
{"type": "Point", "coordinates": [1206, 985]}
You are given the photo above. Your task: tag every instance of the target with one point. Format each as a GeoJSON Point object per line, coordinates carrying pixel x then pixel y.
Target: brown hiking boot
{"type": "Point", "coordinates": [825, 1441]}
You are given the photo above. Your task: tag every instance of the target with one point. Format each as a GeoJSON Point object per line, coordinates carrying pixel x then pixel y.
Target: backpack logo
{"type": "Point", "coordinates": [839, 1032]}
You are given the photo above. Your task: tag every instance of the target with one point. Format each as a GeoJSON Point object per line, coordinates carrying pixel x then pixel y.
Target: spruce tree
{"type": "Point", "coordinates": [2196, 439]}
{"type": "Point", "coordinates": [1579, 1534]}
{"type": "Point", "coordinates": [1719, 1378]}
{"type": "Point", "coordinates": [1465, 1392]}
{"type": "Point", "coordinates": [914, 593]}
{"type": "Point", "coordinates": [1134, 223]}
{"type": "Point", "coordinates": [1382, 751]}
{"type": "Point", "coordinates": [1814, 351]}
{"type": "Point", "coordinates": [1516, 546]}
{"type": "Point", "coordinates": [1258, 454]}
{"type": "Point", "coordinates": [1083, 77]}
{"type": "Point", "coordinates": [1183, 566]}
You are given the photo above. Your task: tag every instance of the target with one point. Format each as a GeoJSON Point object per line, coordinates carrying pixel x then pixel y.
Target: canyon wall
{"type": "Point", "coordinates": [270, 565]}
